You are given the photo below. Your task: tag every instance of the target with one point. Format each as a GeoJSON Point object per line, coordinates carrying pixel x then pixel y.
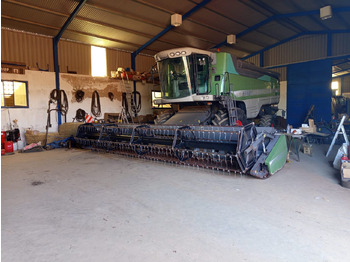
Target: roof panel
{"type": "Point", "coordinates": [33, 15]}
{"type": "Point", "coordinates": [22, 26]}
{"type": "Point", "coordinates": [114, 19]}
{"type": "Point", "coordinates": [108, 32]}
{"type": "Point", "coordinates": [62, 6]}
{"type": "Point", "coordinates": [237, 11]}
{"type": "Point", "coordinates": [135, 9]}
{"type": "Point", "coordinates": [128, 24]}
{"type": "Point", "coordinates": [178, 6]}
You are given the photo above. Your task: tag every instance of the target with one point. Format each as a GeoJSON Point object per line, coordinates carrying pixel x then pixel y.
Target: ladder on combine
{"type": "Point", "coordinates": [230, 105]}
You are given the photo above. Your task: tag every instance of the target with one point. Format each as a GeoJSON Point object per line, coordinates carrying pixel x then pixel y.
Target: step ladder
{"type": "Point", "coordinates": [340, 130]}
{"type": "Point", "coordinates": [123, 117]}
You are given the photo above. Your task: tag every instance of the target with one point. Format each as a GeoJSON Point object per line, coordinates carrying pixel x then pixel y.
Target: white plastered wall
{"type": "Point", "coordinates": [41, 83]}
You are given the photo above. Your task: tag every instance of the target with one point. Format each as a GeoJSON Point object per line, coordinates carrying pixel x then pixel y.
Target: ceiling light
{"type": "Point", "coordinates": [231, 39]}
{"type": "Point", "coordinates": [326, 12]}
{"type": "Point", "coordinates": [176, 20]}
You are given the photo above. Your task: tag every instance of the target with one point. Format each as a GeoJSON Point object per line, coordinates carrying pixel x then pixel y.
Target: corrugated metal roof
{"type": "Point", "coordinates": [129, 24]}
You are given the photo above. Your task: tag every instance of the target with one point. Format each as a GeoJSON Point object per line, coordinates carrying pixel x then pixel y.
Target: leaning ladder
{"type": "Point", "coordinates": [340, 130]}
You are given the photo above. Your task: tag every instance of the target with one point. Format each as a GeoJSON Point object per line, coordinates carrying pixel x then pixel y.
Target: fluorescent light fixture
{"type": "Point", "coordinates": [231, 39]}
{"type": "Point", "coordinates": [326, 12]}
{"type": "Point", "coordinates": [176, 20]}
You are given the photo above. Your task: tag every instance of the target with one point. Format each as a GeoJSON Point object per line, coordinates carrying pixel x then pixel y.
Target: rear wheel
{"type": "Point", "coordinates": [266, 120]}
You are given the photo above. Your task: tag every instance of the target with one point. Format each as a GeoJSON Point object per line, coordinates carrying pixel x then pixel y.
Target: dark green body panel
{"type": "Point", "coordinates": [278, 155]}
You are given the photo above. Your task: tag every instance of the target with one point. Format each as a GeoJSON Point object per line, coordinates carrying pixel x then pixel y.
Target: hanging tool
{"type": "Point", "coordinates": [60, 100]}
{"type": "Point", "coordinates": [95, 104]}
{"type": "Point", "coordinates": [310, 114]}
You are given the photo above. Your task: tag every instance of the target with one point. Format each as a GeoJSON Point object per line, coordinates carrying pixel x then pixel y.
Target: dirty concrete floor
{"type": "Point", "coordinates": [83, 206]}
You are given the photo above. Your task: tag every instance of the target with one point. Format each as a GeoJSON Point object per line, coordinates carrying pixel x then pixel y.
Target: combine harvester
{"type": "Point", "coordinates": [213, 94]}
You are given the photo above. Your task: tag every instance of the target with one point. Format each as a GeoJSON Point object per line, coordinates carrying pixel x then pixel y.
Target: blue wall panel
{"type": "Point", "coordinates": [309, 84]}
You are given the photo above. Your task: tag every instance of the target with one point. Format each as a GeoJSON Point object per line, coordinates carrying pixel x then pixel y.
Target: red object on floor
{"type": "Point", "coordinates": [9, 147]}
{"type": "Point", "coordinates": [3, 137]}
{"type": "Point", "coordinates": [2, 151]}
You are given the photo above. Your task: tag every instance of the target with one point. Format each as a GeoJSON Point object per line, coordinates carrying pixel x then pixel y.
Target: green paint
{"type": "Point", "coordinates": [278, 155]}
{"type": "Point", "coordinates": [225, 69]}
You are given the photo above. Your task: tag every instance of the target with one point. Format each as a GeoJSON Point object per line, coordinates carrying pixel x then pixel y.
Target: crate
{"type": "Point", "coordinates": [307, 149]}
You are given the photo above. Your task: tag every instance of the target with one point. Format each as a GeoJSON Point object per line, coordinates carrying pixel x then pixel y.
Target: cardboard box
{"type": "Point", "coordinates": [307, 149]}
{"type": "Point", "coordinates": [345, 170]}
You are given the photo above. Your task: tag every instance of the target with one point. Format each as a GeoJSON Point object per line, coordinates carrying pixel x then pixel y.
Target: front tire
{"type": "Point", "coordinates": [221, 117]}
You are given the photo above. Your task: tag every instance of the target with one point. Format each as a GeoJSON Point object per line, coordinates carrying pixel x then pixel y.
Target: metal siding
{"type": "Point", "coordinates": [26, 48]}
{"type": "Point", "coordinates": [282, 71]}
{"type": "Point", "coordinates": [340, 44]}
{"type": "Point", "coordinates": [144, 63]}
{"type": "Point", "coordinates": [76, 56]}
{"type": "Point", "coordinates": [254, 59]}
{"type": "Point", "coordinates": [345, 84]}
{"type": "Point", "coordinates": [116, 58]}
{"type": "Point", "coordinates": [301, 49]}
{"type": "Point", "coordinates": [30, 48]}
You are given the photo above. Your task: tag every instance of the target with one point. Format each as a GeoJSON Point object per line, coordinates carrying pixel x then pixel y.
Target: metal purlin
{"type": "Point", "coordinates": [167, 29]}
{"type": "Point", "coordinates": [282, 16]}
{"type": "Point", "coordinates": [329, 41]}
{"type": "Point", "coordinates": [56, 39]}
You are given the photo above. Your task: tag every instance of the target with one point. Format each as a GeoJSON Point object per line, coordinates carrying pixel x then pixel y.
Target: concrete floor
{"type": "Point", "coordinates": [100, 207]}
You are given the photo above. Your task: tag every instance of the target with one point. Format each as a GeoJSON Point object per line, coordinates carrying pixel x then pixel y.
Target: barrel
{"type": "Point", "coordinates": [9, 147]}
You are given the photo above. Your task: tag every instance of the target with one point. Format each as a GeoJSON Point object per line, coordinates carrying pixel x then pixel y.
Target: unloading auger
{"type": "Point", "coordinates": [257, 151]}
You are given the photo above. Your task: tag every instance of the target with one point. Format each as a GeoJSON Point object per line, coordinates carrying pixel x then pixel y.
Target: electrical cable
{"type": "Point", "coordinates": [95, 104]}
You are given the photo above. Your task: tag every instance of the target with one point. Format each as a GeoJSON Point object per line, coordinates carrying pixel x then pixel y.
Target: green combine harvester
{"type": "Point", "coordinates": [213, 96]}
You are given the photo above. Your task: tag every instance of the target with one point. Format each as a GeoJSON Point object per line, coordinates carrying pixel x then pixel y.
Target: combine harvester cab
{"type": "Point", "coordinates": [212, 91]}
{"type": "Point", "coordinates": [217, 84]}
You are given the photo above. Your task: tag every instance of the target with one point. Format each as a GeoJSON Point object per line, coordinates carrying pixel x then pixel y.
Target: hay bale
{"type": "Point", "coordinates": [30, 138]}
{"type": "Point", "coordinates": [68, 129]}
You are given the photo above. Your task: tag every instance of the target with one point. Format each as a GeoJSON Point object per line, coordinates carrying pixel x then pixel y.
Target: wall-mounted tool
{"type": "Point", "coordinates": [59, 99]}
{"type": "Point", "coordinates": [79, 95]}
{"type": "Point", "coordinates": [95, 104]}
